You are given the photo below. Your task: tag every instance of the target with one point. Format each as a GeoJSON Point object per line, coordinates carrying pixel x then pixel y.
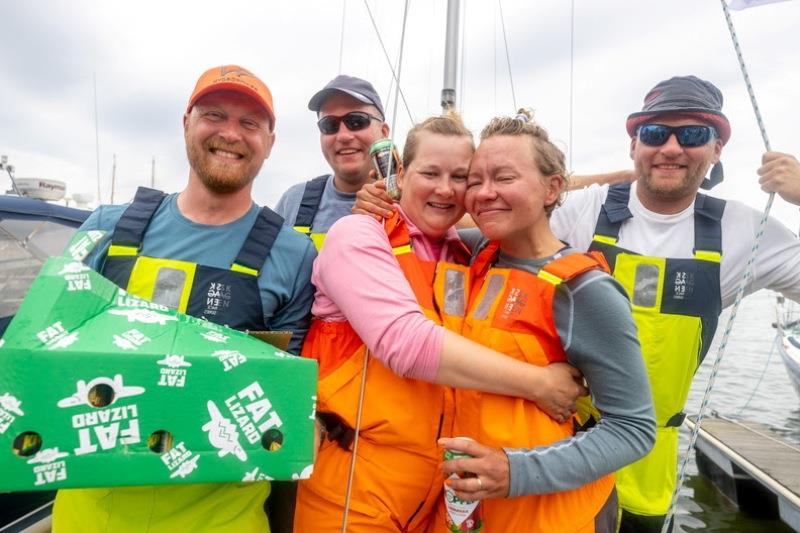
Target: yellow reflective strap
{"type": "Point", "coordinates": [406, 248]}
{"type": "Point", "coordinates": [704, 255]}
{"type": "Point", "coordinates": [547, 276]}
{"type": "Point", "coordinates": [318, 239]}
{"type": "Point", "coordinates": [119, 249]}
{"type": "Point", "coordinates": [604, 239]}
{"type": "Point", "coordinates": [236, 267]}
{"type": "Point", "coordinates": [303, 229]}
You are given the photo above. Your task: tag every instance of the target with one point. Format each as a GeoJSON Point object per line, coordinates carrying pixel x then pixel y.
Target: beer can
{"type": "Point", "coordinates": [387, 164]}
{"type": "Point", "coordinates": [461, 516]}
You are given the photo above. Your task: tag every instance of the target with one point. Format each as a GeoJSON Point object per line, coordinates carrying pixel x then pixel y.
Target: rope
{"type": "Point", "coordinates": [740, 291]}
{"type": "Point", "coordinates": [341, 37]}
{"type": "Point", "coordinates": [508, 57]}
{"type": "Point", "coordinates": [395, 77]}
{"type": "Point", "coordinates": [399, 67]}
{"type": "Point", "coordinates": [461, 71]}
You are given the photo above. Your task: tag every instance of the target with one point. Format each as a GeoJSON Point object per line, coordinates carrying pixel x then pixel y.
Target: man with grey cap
{"type": "Point", "coordinates": [680, 255]}
{"type": "Point", "coordinates": [351, 118]}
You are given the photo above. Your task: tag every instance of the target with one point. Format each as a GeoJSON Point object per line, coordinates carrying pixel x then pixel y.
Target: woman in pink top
{"type": "Point", "coordinates": [376, 293]}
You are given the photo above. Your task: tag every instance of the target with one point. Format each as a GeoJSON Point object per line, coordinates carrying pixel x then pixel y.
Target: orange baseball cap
{"type": "Point", "coordinates": [233, 78]}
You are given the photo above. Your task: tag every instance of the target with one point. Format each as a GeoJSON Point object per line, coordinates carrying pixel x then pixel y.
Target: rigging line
{"type": "Point", "coordinates": [400, 67]}
{"type": "Point", "coordinates": [571, 77]}
{"type": "Point", "coordinates": [341, 37]}
{"type": "Point", "coordinates": [395, 77]}
{"type": "Point", "coordinates": [508, 56]}
{"type": "Point", "coordinates": [742, 284]}
{"type": "Point", "coordinates": [761, 377]}
{"type": "Point", "coordinates": [463, 59]}
{"type": "Point", "coordinates": [356, 431]}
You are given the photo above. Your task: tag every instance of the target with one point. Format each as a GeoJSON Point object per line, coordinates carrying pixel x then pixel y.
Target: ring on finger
{"type": "Point", "coordinates": [480, 483]}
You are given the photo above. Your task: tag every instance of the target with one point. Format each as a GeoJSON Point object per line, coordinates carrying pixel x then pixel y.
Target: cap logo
{"type": "Point", "coordinates": [238, 71]}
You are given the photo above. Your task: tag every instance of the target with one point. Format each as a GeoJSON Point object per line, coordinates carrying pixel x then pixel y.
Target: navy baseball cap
{"type": "Point", "coordinates": [361, 90]}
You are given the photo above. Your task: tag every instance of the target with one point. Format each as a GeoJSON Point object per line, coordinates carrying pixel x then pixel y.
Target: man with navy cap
{"type": "Point", "coordinates": [681, 255]}
{"type": "Point", "coordinates": [351, 118]}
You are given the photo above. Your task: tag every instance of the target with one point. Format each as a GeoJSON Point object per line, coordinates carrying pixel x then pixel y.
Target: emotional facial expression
{"type": "Point", "coordinates": [347, 152]}
{"type": "Point", "coordinates": [434, 183]}
{"type": "Point", "coordinates": [506, 192]}
{"type": "Point", "coordinates": [228, 138]}
{"type": "Point", "coordinates": [671, 171]}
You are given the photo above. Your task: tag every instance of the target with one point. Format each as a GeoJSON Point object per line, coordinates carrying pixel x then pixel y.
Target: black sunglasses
{"type": "Point", "coordinates": [354, 121]}
{"type": "Point", "coordinates": [688, 136]}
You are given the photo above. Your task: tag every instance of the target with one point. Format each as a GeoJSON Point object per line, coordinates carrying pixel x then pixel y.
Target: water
{"type": "Point", "coordinates": [749, 354]}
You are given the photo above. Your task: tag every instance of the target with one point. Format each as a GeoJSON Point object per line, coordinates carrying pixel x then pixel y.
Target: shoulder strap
{"type": "Point", "coordinates": [484, 259]}
{"type": "Point", "coordinates": [133, 223]}
{"type": "Point", "coordinates": [708, 224]}
{"type": "Point", "coordinates": [259, 242]}
{"type": "Point", "coordinates": [309, 204]}
{"type": "Point", "coordinates": [614, 211]}
{"type": "Point", "coordinates": [570, 266]}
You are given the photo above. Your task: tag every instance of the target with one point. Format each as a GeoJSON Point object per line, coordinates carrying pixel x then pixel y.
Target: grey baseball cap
{"type": "Point", "coordinates": [361, 90]}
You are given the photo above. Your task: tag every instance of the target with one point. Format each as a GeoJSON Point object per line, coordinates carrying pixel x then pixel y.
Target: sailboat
{"type": "Point", "coordinates": [788, 325]}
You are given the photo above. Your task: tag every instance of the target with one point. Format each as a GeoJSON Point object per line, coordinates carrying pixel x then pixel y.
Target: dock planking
{"type": "Point", "coordinates": [752, 466]}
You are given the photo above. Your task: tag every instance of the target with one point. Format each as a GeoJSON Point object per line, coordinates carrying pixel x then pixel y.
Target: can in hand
{"type": "Point", "coordinates": [461, 516]}
{"type": "Point", "coordinates": [387, 164]}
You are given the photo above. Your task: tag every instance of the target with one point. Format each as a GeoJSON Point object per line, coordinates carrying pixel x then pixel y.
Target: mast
{"type": "Point", "coordinates": [113, 177]}
{"type": "Point", "coordinates": [451, 54]}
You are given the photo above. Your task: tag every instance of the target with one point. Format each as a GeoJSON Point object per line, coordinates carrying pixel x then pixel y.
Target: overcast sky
{"type": "Point", "coordinates": [147, 55]}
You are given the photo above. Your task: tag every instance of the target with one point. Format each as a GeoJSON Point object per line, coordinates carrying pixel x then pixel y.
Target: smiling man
{"type": "Point", "coordinates": [351, 118]}
{"type": "Point", "coordinates": [680, 255]}
{"type": "Point", "coordinates": [211, 252]}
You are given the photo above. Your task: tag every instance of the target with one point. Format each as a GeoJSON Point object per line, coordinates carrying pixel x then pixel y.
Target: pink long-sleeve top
{"type": "Point", "coordinates": [358, 279]}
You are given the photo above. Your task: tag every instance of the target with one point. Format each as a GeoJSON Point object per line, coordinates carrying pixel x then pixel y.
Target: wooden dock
{"type": "Point", "coordinates": [751, 466]}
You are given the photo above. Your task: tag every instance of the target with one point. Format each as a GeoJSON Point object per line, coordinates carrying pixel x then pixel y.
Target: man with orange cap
{"type": "Point", "coordinates": [211, 252]}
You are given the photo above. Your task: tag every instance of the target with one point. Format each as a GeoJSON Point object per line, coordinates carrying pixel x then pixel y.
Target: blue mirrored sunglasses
{"type": "Point", "coordinates": [688, 136]}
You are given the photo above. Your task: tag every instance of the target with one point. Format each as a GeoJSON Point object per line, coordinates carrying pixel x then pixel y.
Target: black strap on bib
{"type": "Point", "coordinates": [259, 241]}
{"type": "Point", "coordinates": [133, 223]}
{"type": "Point", "coordinates": [309, 204]}
{"type": "Point", "coordinates": [614, 210]}
{"type": "Point", "coordinates": [707, 223]}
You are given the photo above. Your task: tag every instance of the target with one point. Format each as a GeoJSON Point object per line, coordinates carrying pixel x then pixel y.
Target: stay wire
{"type": "Point", "coordinates": [341, 37]}
{"type": "Point", "coordinates": [508, 55]}
{"type": "Point", "coordinates": [740, 291]}
{"type": "Point", "coordinates": [571, 76]}
{"type": "Point", "coordinates": [363, 384]}
{"type": "Point", "coordinates": [395, 76]}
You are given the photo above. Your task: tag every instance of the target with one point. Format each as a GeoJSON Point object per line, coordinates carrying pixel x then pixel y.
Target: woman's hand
{"type": "Point", "coordinates": [372, 200]}
{"type": "Point", "coordinates": [488, 469]}
{"type": "Point", "coordinates": [561, 384]}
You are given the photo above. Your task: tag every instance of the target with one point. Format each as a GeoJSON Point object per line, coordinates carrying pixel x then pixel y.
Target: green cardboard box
{"type": "Point", "coordinates": [99, 387]}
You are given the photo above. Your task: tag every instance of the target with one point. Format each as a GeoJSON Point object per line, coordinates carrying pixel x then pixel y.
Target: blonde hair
{"type": "Point", "coordinates": [549, 159]}
{"type": "Point", "coordinates": [449, 124]}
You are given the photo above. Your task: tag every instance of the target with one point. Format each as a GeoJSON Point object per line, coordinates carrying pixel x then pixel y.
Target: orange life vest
{"type": "Point", "coordinates": [397, 473]}
{"type": "Point", "coordinates": [511, 311]}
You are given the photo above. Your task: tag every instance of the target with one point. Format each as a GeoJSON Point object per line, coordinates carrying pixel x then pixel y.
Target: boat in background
{"type": "Point", "coordinates": [788, 325]}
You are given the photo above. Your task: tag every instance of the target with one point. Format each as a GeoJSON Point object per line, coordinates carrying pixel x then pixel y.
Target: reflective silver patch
{"type": "Point", "coordinates": [645, 285]}
{"type": "Point", "coordinates": [454, 304]}
{"type": "Point", "coordinates": [169, 287]}
{"type": "Point", "coordinates": [493, 288]}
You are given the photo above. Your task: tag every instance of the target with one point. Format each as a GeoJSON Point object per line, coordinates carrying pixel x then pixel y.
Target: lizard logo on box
{"type": "Point", "coordinates": [255, 475]}
{"type": "Point", "coordinates": [81, 395]}
{"type": "Point", "coordinates": [145, 316]}
{"type": "Point", "coordinates": [304, 473]}
{"type": "Point", "coordinates": [174, 375]}
{"type": "Point", "coordinates": [80, 249]}
{"type": "Point", "coordinates": [222, 434]}
{"type": "Point", "coordinates": [130, 340]}
{"type": "Point", "coordinates": [215, 336]}
{"type": "Point", "coordinates": [230, 359]}
{"type": "Point", "coordinates": [49, 467]}
{"type": "Point", "coordinates": [77, 277]}
{"type": "Point", "coordinates": [249, 407]}
{"type": "Point", "coordinates": [55, 336]}
{"type": "Point", "coordinates": [180, 461]}
{"type": "Point", "coordinates": [10, 409]}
